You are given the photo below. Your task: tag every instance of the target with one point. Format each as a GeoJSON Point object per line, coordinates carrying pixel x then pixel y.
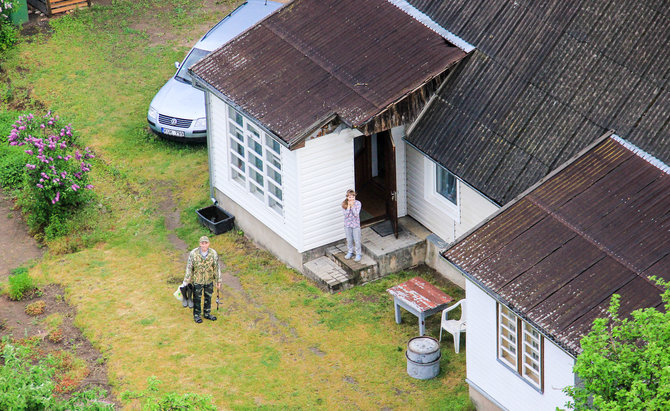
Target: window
{"type": "Point", "coordinates": [520, 346]}
{"type": "Point", "coordinates": [441, 189]}
{"type": "Point", "coordinates": [445, 183]}
{"type": "Point", "coordinates": [255, 161]}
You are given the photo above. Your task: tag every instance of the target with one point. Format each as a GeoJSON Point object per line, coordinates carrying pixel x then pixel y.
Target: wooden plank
{"type": "Point", "coordinates": [76, 4]}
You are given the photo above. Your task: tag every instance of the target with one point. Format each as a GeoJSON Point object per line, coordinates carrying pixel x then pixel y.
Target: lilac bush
{"type": "Point", "coordinates": [56, 174]}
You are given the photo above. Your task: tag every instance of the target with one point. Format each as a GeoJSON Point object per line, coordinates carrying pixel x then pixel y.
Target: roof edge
{"type": "Point", "coordinates": [204, 85]}
{"type": "Point", "coordinates": [423, 18]}
{"type": "Point", "coordinates": [516, 199]}
{"type": "Point", "coordinates": [642, 154]}
{"type": "Point", "coordinates": [500, 299]}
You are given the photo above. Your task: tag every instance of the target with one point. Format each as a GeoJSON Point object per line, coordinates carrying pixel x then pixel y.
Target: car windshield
{"type": "Point", "coordinates": [193, 57]}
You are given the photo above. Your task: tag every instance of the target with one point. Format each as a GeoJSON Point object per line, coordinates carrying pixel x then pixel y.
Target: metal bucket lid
{"type": "Point", "coordinates": [423, 345]}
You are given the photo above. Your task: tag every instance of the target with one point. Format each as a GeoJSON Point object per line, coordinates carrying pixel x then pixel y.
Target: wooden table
{"type": "Point", "coordinates": [420, 298]}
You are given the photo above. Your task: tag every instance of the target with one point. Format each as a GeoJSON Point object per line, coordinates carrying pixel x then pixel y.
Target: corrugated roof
{"type": "Point", "coordinates": [597, 227]}
{"type": "Point", "coordinates": [316, 59]}
{"type": "Point", "coordinates": [546, 77]}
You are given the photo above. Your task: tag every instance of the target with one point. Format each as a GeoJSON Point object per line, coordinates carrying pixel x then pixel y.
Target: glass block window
{"type": "Point", "coordinates": [520, 346]}
{"type": "Point", "coordinates": [508, 337]}
{"type": "Point", "coordinates": [531, 364]}
{"type": "Point", "coordinates": [255, 161]}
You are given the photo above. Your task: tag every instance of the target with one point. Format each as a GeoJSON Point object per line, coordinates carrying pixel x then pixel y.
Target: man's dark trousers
{"type": "Point", "coordinates": [197, 290]}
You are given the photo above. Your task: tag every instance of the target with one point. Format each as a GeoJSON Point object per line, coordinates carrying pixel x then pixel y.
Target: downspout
{"type": "Point", "coordinates": [208, 117]}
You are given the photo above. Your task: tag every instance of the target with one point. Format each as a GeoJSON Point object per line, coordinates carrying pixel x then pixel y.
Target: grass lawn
{"type": "Point", "coordinates": [280, 342]}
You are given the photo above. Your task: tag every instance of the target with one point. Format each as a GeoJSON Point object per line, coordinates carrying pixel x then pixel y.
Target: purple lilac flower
{"type": "Point", "coordinates": [74, 187]}
{"type": "Point", "coordinates": [39, 185]}
{"type": "Point", "coordinates": [89, 186]}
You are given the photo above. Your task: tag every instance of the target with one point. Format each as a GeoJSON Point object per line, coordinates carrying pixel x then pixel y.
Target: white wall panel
{"type": "Point", "coordinates": [326, 171]}
{"type": "Point", "coordinates": [498, 381]}
{"type": "Point", "coordinates": [472, 206]}
{"type": "Point", "coordinates": [418, 208]}
{"type": "Point", "coordinates": [288, 225]}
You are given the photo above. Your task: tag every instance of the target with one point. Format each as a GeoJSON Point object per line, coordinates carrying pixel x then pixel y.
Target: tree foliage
{"type": "Point", "coordinates": [625, 362]}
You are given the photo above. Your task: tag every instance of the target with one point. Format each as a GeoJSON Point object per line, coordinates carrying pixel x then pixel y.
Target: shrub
{"type": "Point", "coordinates": [28, 386]}
{"type": "Point", "coordinates": [36, 308]}
{"type": "Point", "coordinates": [12, 166]}
{"type": "Point", "coordinates": [8, 33]}
{"type": "Point", "coordinates": [20, 283]}
{"type": "Point", "coordinates": [169, 401]}
{"type": "Point", "coordinates": [55, 336]}
{"type": "Point", "coordinates": [55, 180]}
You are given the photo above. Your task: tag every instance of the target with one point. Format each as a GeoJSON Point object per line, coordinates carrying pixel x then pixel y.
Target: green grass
{"type": "Point", "coordinates": [280, 342]}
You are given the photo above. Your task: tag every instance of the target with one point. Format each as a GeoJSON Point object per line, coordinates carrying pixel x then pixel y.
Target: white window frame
{"type": "Point", "coordinates": [431, 194]}
{"type": "Point", "coordinates": [255, 161]}
{"type": "Point", "coordinates": [520, 347]}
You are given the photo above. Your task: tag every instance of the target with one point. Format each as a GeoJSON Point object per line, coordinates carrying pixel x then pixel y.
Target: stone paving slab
{"type": "Point", "coordinates": [327, 274]}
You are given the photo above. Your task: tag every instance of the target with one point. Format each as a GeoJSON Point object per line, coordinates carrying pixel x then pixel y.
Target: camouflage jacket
{"type": "Point", "coordinates": [201, 270]}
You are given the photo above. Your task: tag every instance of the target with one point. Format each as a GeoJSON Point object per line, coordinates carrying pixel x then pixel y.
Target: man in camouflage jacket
{"type": "Point", "coordinates": [202, 269]}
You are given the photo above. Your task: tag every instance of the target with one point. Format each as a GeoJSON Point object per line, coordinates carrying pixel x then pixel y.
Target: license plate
{"type": "Point", "coordinates": [176, 133]}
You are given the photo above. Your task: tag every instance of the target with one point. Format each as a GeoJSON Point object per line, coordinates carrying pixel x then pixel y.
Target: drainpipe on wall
{"type": "Point", "coordinates": [209, 148]}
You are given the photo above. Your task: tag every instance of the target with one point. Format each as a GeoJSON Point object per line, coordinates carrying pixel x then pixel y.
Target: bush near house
{"type": "Point", "coordinates": [54, 172]}
{"type": "Point", "coordinates": [625, 362]}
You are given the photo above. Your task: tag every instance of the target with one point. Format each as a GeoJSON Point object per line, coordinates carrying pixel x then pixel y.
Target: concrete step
{"type": "Point", "coordinates": [360, 272]}
{"type": "Point", "coordinates": [327, 275]}
{"type": "Point", "coordinates": [393, 254]}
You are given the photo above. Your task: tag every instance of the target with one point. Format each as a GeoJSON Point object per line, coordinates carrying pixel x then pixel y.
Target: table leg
{"type": "Point", "coordinates": [397, 311]}
{"type": "Point", "coordinates": [422, 324]}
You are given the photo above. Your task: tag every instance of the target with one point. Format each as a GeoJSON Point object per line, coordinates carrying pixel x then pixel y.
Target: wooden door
{"type": "Point", "coordinates": [390, 177]}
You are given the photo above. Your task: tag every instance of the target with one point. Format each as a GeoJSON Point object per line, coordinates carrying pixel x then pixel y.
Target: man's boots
{"type": "Point", "coordinates": [187, 294]}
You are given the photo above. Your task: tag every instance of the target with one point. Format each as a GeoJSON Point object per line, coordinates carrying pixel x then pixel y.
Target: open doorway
{"type": "Point", "coordinates": [374, 158]}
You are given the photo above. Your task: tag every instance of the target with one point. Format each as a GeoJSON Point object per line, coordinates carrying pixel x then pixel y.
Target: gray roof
{"type": "Point", "coordinates": [547, 76]}
{"type": "Point", "coordinates": [557, 254]}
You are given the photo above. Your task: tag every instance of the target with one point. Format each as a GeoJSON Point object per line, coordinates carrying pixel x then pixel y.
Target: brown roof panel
{"type": "Point", "coordinates": [597, 227]}
{"type": "Point", "coordinates": [314, 59]}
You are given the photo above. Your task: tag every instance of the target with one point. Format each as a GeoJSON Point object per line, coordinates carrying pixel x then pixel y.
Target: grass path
{"type": "Point", "coordinates": [281, 343]}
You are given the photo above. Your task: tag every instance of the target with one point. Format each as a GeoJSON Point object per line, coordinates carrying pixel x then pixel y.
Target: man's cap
{"type": "Point", "coordinates": [204, 239]}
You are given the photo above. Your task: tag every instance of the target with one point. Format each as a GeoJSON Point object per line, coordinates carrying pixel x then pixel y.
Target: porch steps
{"type": "Point", "coordinates": [327, 275]}
{"type": "Point", "coordinates": [360, 272]}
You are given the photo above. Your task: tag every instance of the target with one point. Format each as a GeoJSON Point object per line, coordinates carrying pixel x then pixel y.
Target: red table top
{"type": "Point", "coordinates": [420, 294]}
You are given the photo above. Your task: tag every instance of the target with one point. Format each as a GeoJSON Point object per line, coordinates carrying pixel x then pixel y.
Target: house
{"type": "Point", "coordinates": [541, 269]}
{"type": "Point", "coordinates": [312, 101]}
{"type": "Point", "coordinates": [545, 79]}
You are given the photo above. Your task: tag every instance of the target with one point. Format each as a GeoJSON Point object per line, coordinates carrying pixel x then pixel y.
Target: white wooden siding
{"type": "Point", "coordinates": [216, 129]}
{"type": "Point", "coordinates": [289, 225]}
{"type": "Point", "coordinates": [498, 381]}
{"type": "Point", "coordinates": [326, 172]}
{"type": "Point", "coordinates": [472, 206]}
{"type": "Point", "coordinates": [427, 214]}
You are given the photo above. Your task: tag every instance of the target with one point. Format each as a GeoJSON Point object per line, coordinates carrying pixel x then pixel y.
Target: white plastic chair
{"type": "Point", "coordinates": [455, 327]}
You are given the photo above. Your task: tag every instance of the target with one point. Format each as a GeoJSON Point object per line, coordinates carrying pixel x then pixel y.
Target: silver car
{"type": "Point", "coordinates": [177, 112]}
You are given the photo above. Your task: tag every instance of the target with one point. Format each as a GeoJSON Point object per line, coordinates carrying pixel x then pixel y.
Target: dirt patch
{"type": "Point", "coordinates": [19, 325]}
{"type": "Point", "coordinates": [17, 247]}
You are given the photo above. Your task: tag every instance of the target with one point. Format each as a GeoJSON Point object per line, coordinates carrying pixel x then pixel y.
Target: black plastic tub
{"type": "Point", "coordinates": [216, 219]}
